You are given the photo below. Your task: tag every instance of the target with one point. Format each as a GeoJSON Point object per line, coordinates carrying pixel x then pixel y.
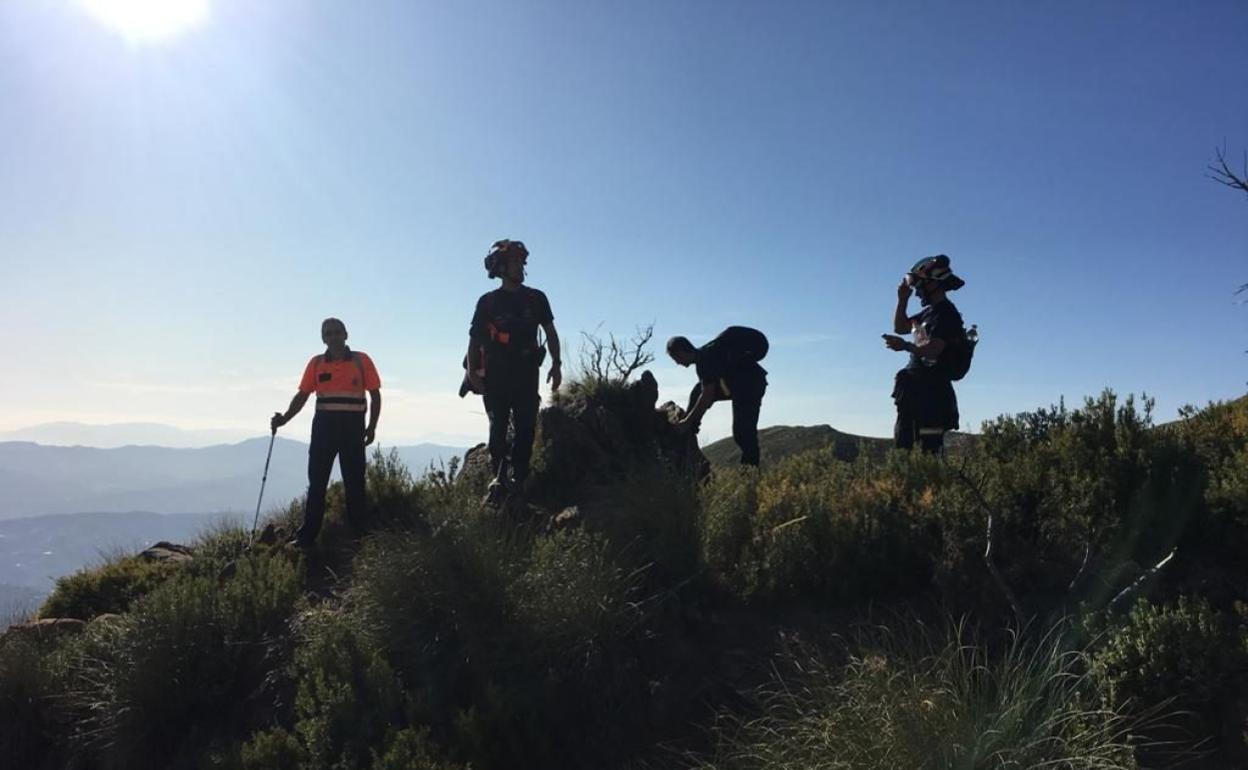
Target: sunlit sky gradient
{"type": "Point", "coordinates": [177, 216]}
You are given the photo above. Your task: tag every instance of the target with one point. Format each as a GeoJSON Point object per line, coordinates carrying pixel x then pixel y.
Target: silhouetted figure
{"type": "Point", "coordinates": [340, 377]}
{"type": "Point", "coordinates": [927, 407]}
{"type": "Point", "coordinates": [504, 362]}
{"type": "Point", "coordinates": [727, 369]}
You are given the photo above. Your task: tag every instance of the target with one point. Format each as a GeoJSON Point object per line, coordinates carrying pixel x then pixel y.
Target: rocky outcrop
{"type": "Point", "coordinates": [593, 432]}
{"type": "Point", "coordinates": [167, 552]}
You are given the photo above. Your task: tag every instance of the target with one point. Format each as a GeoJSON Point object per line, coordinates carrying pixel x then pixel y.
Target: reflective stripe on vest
{"type": "Point", "coordinates": [341, 401]}
{"type": "Point", "coordinates": [323, 406]}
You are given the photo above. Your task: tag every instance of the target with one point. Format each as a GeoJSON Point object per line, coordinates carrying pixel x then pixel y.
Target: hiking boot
{"type": "Point", "coordinates": [496, 493]}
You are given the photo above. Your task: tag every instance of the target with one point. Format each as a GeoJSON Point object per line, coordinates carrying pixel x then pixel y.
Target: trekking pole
{"type": "Point", "coordinates": [263, 479]}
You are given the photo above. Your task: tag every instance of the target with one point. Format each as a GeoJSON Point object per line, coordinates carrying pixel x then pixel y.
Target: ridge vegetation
{"type": "Point", "coordinates": [635, 611]}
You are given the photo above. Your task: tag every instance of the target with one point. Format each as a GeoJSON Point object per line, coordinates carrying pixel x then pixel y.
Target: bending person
{"type": "Point", "coordinates": [728, 370]}
{"type": "Point", "coordinates": [339, 377]}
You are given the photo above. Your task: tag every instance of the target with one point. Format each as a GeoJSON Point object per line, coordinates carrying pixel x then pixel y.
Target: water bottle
{"type": "Point", "coordinates": [972, 336]}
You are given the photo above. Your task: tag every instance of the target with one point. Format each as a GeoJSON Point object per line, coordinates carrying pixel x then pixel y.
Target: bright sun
{"type": "Point", "coordinates": [147, 21]}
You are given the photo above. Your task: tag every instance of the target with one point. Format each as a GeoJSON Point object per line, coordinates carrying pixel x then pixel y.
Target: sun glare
{"type": "Point", "coordinates": [148, 21]}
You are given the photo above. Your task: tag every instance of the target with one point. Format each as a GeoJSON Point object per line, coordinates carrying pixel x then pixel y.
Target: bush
{"type": "Point", "coordinates": [392, 496]}
{"type": "Point", "coordinates": [348, 698]}
{"type": "Point", "coordinates": [504, 639]}
{"type": "Point", "coordinates": [649, 517]}
{"type": "Point", "coordinates": [111, 587]}
{"type": "Point", "coordinates": [1184, 657]}
{"type": "Point", "coordinates": [918, 701]}
{"type": "Point", "coordinates": [182, 670]}
{"type": "Point", "coordinates": [817, 528]}
{"type": "Point", "coordinates": [28, 737]}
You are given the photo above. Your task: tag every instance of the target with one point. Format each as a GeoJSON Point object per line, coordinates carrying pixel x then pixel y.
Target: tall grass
{"type": "Point", "coordinates": [927, 700]}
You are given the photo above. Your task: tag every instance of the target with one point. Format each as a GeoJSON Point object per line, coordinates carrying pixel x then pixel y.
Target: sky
{"type": "Point", "coordinates": [178, 213]}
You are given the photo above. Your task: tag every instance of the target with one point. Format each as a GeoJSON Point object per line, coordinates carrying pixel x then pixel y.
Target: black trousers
{"type": "Point", "coordinates": [511, 399]}
{"type": "Point", "coordinates": [908, 429]}
{"type": "Point", "coordinates": [341, 435]}
{"type": "Point", "coordinates": [926, 408]}
{"type": "Point", "coordinates": [745, 411]}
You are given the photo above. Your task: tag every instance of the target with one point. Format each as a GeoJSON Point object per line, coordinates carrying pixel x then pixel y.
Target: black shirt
{"type": "Point", "coordinates": [717, 364]}
{"type": "Point", "coordinates": [514, 314]}
{"type": "Point", "coordinates": [940, 321]}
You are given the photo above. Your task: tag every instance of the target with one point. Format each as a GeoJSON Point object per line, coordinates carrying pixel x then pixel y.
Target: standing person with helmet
{"type": "Point", "coordinates": [939, 354]}
{"type": "Point", "coordinates": [504, 362]}
{"type": "Point", "coordinates": [340, 377]}
{"type": "Point", "coordinates": [727, 369]}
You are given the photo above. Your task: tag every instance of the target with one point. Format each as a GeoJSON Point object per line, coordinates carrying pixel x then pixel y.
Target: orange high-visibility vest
{"type": "Point", "coordinates": [340, 385]}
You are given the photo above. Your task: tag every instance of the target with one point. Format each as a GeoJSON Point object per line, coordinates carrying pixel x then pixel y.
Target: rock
{"type": "Point", "coordinates": [166, 551]}
{"type": "Point", "coordinates": [645, 391]}
{"type": "Point", "coordinates": [593, 433]}
{"type": "Point", "coordinates": [43, 630]}
{"type": "Point", "coordinates": [268, 535]}
{"type": "Point", "coordinates": [476, 468]}
{"type": "Point", "coordinates": [566, 519]}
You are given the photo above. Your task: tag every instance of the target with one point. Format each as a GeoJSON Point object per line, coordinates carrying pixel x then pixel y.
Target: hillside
{"type": "Point", "coordinates": [630, 610]}
{"type": "Point", "coordinates": [37, 550]}
{"type": "Point", "coordinates": [781, 441]}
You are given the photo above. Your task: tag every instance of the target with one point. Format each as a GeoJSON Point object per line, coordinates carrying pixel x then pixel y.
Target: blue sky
{"type": "Point", "coordinates": [176, 217]}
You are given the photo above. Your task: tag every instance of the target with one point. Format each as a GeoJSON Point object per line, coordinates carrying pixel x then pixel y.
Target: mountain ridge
{"type": "Point", "coordinates": [45, 479]}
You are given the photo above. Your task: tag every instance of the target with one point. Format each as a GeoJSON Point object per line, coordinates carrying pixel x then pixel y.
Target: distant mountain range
{"type": "Point", "coordinates": [37, 480]}
{"type": "Point", "coordinates": [123, 434]}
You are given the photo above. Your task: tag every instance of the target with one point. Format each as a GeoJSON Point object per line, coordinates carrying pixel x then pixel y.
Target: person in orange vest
{"type": "Point", "coordinates": [504, 363]}
{"type": "Point", "coordinates": [339, 377]}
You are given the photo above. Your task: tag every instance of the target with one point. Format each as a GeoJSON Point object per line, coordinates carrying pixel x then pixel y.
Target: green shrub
{"type": "Point", "coordinates": [111, 587]}
{"type": "Point", "coordinates": [816, 528]}
{"type": "Point", "coordinates": [649, 516]}
{"type": "Point", "coordinates": [28, 729]}
{"type": "Point", "coordinates": [348, 698]}
{"type": "Point", "coordinates": [574, 598]}
{"type": "Point", "coordinates": [391, 492]}
{"type": "Point", "coordinates": [274, 749]}
{"type": "Point", "coordinates": [1183, 657]}
{"type": "Point", "coordinates": [917, 701]}
{"type": "Point", "coordinates": [180, 672]}
{"type": "Point", "coordinates": [503, 639]}
{"type": "Point", "coordinates": [220, 543]}
{"type": "Point", "coordinates": [411, 749]}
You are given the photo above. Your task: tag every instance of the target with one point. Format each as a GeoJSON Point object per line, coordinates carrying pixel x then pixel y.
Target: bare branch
{"type": "Point", "coordinates": [1135, 587]}
{"type": "Point", "coordinates": [988, 555]}
{"type": "Point", "coordinates": [614, 360]}
{"type": "Point", "coordinates": [1222, 173]}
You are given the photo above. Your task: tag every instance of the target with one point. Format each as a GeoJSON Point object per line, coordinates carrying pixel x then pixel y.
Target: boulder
{"type": "Point", "coordinates": [476, 468]}
{"type": "Point", "coordinates": [167, 552]}
{"type": "Point", "coordinates": [43, 630]}
{"type": "Point", "coordinates": [268, 535]}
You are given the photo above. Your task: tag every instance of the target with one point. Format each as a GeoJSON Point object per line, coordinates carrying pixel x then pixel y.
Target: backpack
{"type": "Point", "coordinates": [742, 344]}
{"type": "Point", "coordinates": [957, 357]}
